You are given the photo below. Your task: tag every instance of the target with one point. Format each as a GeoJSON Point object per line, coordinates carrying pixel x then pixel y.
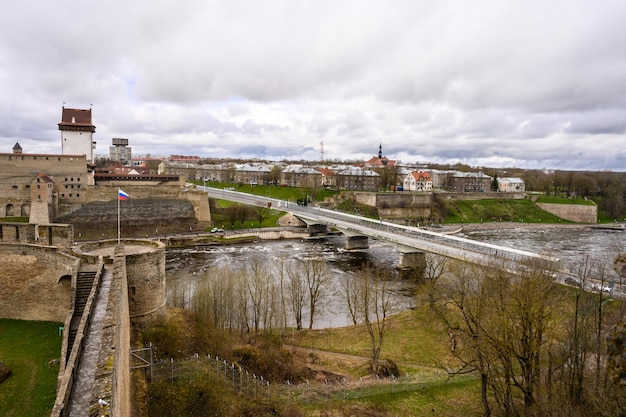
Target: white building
{"type": "Point", "coordinates": [418, 181]}
{"type": "Point", "coordinates": [511, 185]}
{"type": "Point", "coordinates": [77, 133]}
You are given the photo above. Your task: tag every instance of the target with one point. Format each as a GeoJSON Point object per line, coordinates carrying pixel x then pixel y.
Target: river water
{"type": "Point", "coordinates": [571, 245]}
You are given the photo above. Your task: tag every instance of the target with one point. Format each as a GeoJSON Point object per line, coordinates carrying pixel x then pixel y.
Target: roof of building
{"type": "Point", "coordinates": [421, 176]}
{"type": "Point", "coordinates": [300, 169]}
{"type": "Point", "coordinates": [358, 171]}
{"type": "Point", "coordinates": [43, 177]}
{"type": "Point", "coordinates": [376, 161]}
{"type": "Point", "coordinates": [511, 180]}
{"type": "Point", "coordinates": [17, 148]}
{"type": "Point", "coordinates": [253, 168]}
{"type": "Point", "coordinates": [189, 158]}
{"type": "Point", "coordinates": [76, 118]}
{"type": "Point", "coordinates": [326, 171]}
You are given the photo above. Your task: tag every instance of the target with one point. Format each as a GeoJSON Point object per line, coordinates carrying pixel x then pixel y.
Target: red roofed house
{"type": "Point", "coordinates": [418, 181]}
{"type": "Point", "coordinates": [329, 178]}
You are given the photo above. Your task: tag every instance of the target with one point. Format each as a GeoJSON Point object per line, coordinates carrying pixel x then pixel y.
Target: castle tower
{"type": "Point", "coordinates": [41, 199]}
{"type": "Point", "coordinates": [77, 133]}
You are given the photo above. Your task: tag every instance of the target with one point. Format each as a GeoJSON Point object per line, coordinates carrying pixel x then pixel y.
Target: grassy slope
{"type": "Point", "coordinates": [492, 210]}
{"type": "Point", "coordinates": [27, 347]}
{"type": "Point", "coordinates": [419, 345]}
{"type": "Point", "coordinates": [292, 194]}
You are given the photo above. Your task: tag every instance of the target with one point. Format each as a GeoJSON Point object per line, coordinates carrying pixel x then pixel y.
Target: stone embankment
{"type": "Point", "coordinates": [473, 227]}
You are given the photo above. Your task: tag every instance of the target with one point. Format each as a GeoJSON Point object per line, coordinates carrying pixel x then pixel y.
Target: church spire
{"type": "Point", "coordinates": [380, 151]}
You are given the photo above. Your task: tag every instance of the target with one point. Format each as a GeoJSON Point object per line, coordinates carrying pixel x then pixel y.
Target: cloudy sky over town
{"type": "Point", "coordinates": [524, 83]}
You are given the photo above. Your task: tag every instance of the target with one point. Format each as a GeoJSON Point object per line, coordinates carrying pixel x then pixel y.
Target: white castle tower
{"type": "Point", "coordinates": [77, 133]}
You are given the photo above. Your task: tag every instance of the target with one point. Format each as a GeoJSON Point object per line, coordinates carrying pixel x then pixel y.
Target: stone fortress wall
{"type": "Point", "coordinates": [573, 212]}
{"type": "Point", "coordinates": [49, 188]}
{"type": "Point", "coordinates": [145, 273]}
{"type": "Point", "coordinates": [36, 282]}
{"type": "Point", "coordinates": [18, 171]}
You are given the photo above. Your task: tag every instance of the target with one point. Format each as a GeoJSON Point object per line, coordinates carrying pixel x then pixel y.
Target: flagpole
{"type": "Point", "coordinates": [118, 217]}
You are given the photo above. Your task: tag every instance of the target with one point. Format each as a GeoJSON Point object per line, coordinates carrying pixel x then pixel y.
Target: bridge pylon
{"type": "Point", "coordinates": [356, 242]}
{"type": "Point", "coordinates": [412, 261]}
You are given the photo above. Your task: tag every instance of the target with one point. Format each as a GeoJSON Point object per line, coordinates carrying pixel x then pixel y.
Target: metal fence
{"type": "Point", "coordinates": [256, 387]}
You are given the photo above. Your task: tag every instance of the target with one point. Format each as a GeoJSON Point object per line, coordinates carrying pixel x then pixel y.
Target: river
{"type": "Point", "coordinates": [571, 245]}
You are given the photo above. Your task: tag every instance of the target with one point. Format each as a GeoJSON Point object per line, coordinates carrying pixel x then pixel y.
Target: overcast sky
{"type": "Point", "coordinates": [524, 83]}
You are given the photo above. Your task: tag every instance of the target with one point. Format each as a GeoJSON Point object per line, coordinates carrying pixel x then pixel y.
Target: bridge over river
{"type": "Point", "coordinates": [413, 240]}
{"type": "Point", "coordinates": [406, 239]}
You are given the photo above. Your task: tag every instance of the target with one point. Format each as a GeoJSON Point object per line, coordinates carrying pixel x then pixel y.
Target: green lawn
{"type": "Point", "coordinates": [14, 219]}
{"type": "Point", "coordinates": [494, 210]}
{"type": "Point", "coordinates": [29, 349]}
{"type": "Point", "coordinates": [292, 194]}
{"type": "Point", "coordinates": [419, 345]}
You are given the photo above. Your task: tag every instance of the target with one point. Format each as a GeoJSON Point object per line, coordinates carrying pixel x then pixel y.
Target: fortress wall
{"type": "Point", "coordinates": [145, 272]}
{"type": "Point", "coordinates": [408, 199]}
{"type": "Point", "coordinates": [573, 212]}
{"type": "Point", "coordinates": [200, 202]}
{"type": "Point", "coordinates": [147, 286]}
{"type": "Point", "coordinates": [369, 199]}
{"type": "Point", "coordinates": [61, 235]}
{"type": "Point", "coordinates": [36, 282]}
{"type": "Point", "coordinates": [481, 196]}
{"type": "Point", "coordinates": [108, 191]}
{"type": "Point", "coordinates": [17, 172]}
{"type": "Point", "coordinates": [101, 202]}
{"type": "Point", "coordinates": [121, 387]}
{"type": "Point", "coordinates": [114, 359]}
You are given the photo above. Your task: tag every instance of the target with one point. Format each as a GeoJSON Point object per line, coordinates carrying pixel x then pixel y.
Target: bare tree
{"type": "Point", "coordinates": [215, 298]}
{"type": "Point", "coordinates": [351, 292]}
{"type": "Point", "coordinates": [316, 277]}
{"type": "Point", "coordinates": [376, 305]}
{"type": "Point", "coordinates": [460, 301]}
{"type": "Point", "coordinates": [501, 319]}
{"type": "Point", "coordinates": [280, 267]}
{"type": "Point", "coordinates": [258, 283]}
{"type": "Point", "coordinates": [296, 287]}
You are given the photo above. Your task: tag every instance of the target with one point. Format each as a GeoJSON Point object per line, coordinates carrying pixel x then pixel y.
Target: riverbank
{"type": "Point", "coordinates": [452, 229]}
{"type": "Point", "coordinates": [475, 227]}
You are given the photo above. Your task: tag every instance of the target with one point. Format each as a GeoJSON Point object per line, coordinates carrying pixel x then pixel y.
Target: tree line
{"type": "Point", "coordinates": [537, 349]}
{"type": "Point", "coordinates": [289, 292]}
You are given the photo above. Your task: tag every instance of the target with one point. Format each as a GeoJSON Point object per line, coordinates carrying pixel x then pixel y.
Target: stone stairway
{"type": "Point", "coordinates": [84, 283]}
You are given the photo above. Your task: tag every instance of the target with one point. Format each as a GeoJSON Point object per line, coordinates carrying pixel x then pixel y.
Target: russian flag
{"type": "Point", "coordinates": [121, 195]}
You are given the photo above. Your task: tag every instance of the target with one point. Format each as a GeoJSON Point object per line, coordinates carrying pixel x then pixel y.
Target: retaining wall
{"type": "Point", "coordinates": [573, 212]}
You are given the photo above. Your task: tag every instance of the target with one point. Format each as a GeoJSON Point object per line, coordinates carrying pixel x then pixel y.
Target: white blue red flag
{"type": "Point", "coordinates": [121, 195]}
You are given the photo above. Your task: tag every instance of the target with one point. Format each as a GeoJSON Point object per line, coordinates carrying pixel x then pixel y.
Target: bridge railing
{"type": "Point", "coordinates": [378, 225]}
{"type": "Point", "coordinates": [417, 233]}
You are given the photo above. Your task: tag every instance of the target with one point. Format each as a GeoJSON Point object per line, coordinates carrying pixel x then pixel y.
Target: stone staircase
{"type": "Point", "coordinates": [84, 283]}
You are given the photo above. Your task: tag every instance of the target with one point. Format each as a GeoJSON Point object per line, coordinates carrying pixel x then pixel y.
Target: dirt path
{"type": "Point", "coordinates": [349, 357]}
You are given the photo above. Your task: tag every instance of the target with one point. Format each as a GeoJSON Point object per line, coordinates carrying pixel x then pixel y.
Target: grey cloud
{"type": "Point", "coordinates": [529, 83]}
